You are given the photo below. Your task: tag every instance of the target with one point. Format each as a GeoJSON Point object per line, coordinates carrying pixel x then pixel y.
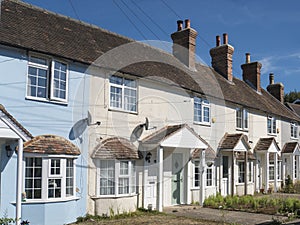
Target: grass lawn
{"type": "Point", "coordinates": [141, 217]}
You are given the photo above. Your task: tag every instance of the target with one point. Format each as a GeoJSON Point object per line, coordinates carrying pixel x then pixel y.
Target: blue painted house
{"type": "Point", "coordinates": [45, 90]}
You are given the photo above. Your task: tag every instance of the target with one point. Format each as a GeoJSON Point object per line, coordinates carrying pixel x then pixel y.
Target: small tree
{"type": "Point", "coordinates": [291, 96]}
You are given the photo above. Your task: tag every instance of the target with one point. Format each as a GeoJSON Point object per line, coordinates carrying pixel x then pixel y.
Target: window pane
{"type": "Point", "coordinates": [33, 179]}
{"type": "Point", "coordinates": [116, 80]}
{"type": "Point", "coordinates": [38, 60]}
{"type": "Point", "coordinates": [59, 80]}
{"type": "Point", "coordinates": [37, 81]}
{"type": "Point", "coordinates": [107, 177]}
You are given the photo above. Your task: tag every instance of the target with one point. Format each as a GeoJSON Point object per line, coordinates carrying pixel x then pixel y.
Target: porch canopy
{"type": "Point", "coordinates": [236, 146]}
{"type": "Point", "coordinates": [234, 142]}
{"type": "Point", "coordinates": [174, 136]}
{"type": "Point", "coordinates": [291, 148]}
{"type": "Point", "coordinates": [268, 149]}
{"type": "Point", "coordinates": [178, 136]}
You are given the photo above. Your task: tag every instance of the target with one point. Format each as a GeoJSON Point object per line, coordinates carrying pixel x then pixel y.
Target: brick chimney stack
{"type": "Point", "coordinates": [184, 43]}
{"type": "Point", "coordinates": [277, 90]}
{"type": "Point", "coordinates": [221, 57]}
{"type": "Point", "coordinates": [251, 73]}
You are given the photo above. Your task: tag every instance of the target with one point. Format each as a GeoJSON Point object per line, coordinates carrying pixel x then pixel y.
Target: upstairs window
{"type": "Point", "coordinates": [242, 118]}
{"type": "Point", "coordinates": [201, 110]}
{"type": "Point", "coordinates": [271, 125]}
{"type": "Point", "coordinates": [294, 130]}
{"type": "Point", "coordinates": [123, 94]}
{"type": "Point", "coordinates": [47, 79]}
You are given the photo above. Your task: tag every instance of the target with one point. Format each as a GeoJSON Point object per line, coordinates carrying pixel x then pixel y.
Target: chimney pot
{"type": "Point", "coordinates": [179, 25]}
{"type": "Point", "coordinates": [247, 57]}
{"type": "Point", "coordinates": [218, 41]}
{"type": "Point", "coordinates": [225, 39]}
{"type": "Point", "coordinates": [187, 23]}
{"type": "Point", "coordinates": [271, 78]}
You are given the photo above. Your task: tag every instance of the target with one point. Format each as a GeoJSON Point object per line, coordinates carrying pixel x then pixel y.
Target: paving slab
{"type": "Point", "coordinates": [226, 216]}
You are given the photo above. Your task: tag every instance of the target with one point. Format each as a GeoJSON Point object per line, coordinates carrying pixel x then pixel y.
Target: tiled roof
{"type": "Point", "coordinates": [289, 147]}
{"type": "Point", "coordinates": [162, 134]}
{"type": "Point", "coordinates": [210, 154]}
{"type": "Point", "coordinates": [263, 144]}
{"type": "Point", "coordinates": [241, 156]}
{"type": "Point", "coordinates": [229, 141]}
{"type": "Point", "coordinates": [13, 120]}
{"type": "Point", "coordinates": [294, 107]}
{"type": "Point", "coordinates": [50, 144]}
{"type": "Point", "coordinates": [116, 148]}
{"type": "Point", "coordinates": [50, 33]}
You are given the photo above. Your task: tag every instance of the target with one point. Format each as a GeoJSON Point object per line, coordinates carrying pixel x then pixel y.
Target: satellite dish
{"type": "Point", "coordinates": [138, 130]}
{"type": "Point", "coordinates": [78, 129]}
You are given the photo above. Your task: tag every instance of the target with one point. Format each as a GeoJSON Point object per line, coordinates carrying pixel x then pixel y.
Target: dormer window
{"type": "Point", "coordinates": [272, 125]}
{"type": "Point", "coordinates": [242, 118]}
{"type": "Point", "coordinates": [201, 111]}
{"type": "Point", "coordinates": [294, 130]}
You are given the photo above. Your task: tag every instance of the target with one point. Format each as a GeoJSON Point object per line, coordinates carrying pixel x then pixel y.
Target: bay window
{"type": "Point", "coordinates": [49, 178]}
{"type": "Point", "coordinates": [116, 177]}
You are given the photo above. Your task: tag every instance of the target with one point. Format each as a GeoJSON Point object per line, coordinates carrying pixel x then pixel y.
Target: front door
{"type": "Point", "coordinates": [225, 180]}
{"type": "Point", "coordinates": [177, 178]}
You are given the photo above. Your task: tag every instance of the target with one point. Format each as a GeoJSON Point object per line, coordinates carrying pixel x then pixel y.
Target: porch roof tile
{"type": "Point", "coordinates": [116, 148]}
{"type": "Point", "coordinates": [229, 141]}
{"type": "Point", "coordinates": [50, 144]}
{"type": "Point", "coordinates": [289, 147]}
{"type": "Point", "coordinates": [263, 144]}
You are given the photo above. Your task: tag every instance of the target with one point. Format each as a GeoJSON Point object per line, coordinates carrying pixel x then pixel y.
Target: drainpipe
{"type": "Point", "coordinates": [19, 182]}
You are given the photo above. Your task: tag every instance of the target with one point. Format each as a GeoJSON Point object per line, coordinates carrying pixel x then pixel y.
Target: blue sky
{"type": "Point", "coordinates": [269, 30]}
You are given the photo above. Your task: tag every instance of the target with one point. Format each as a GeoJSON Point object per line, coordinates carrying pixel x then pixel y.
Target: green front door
{"type": "Point", "coordinates": [177, 178]}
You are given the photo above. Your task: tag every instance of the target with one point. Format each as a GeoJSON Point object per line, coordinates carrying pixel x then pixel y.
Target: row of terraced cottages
{"type": "Point", "coordinates": [94, 122]}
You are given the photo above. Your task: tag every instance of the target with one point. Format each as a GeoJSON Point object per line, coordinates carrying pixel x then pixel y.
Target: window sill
{"type": "Point", "coordinates": [113, 196]}
{"type": "Point", "coordinates": [64, 103]}
{"type": "Point", "coordinates": [206, 187]}
{"type": "Point", "coordinates": [202, 124]}
{"type": "Point", "coordinates": [243, 130]}
{"type": "Point", "coordinates": [42, 201]}
{"type": "Point", "coordinates": [272, 134]}
{"type": "Point", "coordinates": [122, 111]}
{"type": "Point", "coordinates": [294, 138]}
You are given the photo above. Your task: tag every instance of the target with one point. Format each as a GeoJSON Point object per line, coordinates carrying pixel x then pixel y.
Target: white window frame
{"type": "Point", "coordinates": [211, 168]}
{"type": "Point", "coordinates": [295, 169]}
{"type": "Point", "coordinates": [294, 130]}
{"type": "Point", "coordinates": [196, 174]}
{"type": "Point", "coordinates": [49, 67]}
{"type": "Point", "coordinates": [123, 87]}
{"type": "Point", "coordinates": [272, 172]}
{"type": "Point", "coordinates": [279, 164]}
{"type": "Point", "coordinates": [242, 117]}
{"type": "Point", "coordinates": [117, 175]}
{"type": "Point", "coordinates": [250, 171]}
{"type": "Point", "coordinates": [273, 125]}
{"type": "Point", "coordinates": [46, 176]}
{"type": "Point", "coordinates": [241, 172]}
{"type": "Point", "coordinates": [201, 105]}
